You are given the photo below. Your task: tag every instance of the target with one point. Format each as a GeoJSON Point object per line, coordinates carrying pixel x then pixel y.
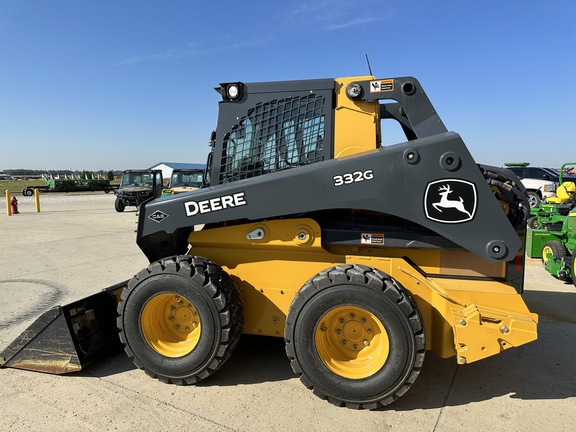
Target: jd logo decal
{"type": "Point", "coordinates": [450, 201]}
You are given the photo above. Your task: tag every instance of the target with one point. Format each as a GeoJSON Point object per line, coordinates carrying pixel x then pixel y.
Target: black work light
{"type": "Point", "coordinates": [231, 91]}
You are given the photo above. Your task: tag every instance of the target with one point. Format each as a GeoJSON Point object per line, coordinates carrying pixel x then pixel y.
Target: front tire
{"type": "Point", "coordinates": [572, 267]}
{"type": "Point", "coordinates": [355, 337]}
{"type": "Point", "coordinates": [119, 205]}
{"type": "Point", "coordinates": [554, 248]}
{"type": "Point", "coordinates": [533, 222]}
{"type": "Point", "coordinates": [180, 319]}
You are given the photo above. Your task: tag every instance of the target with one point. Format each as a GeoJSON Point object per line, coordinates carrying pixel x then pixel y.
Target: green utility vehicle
{"type": "Point", "coordinates": [185, 180]}
{"type": "Point", "coordinates": [136, 187]}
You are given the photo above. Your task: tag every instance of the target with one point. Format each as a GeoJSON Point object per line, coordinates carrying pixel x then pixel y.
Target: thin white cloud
{"type": "Point", "coordinates": [354, 22]}
{"type": "Point", "coordinates": [189, 50]}
{"type": "Point", "coordinates": [337, 14]}
{"type": "Point", "coordinates": [308, 10]}
{"type": "Point", "coordinates": [192, 49]}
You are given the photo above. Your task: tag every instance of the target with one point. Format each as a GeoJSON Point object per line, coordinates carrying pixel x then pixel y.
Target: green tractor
{"type": "Point", "coordinates": [555, 246]}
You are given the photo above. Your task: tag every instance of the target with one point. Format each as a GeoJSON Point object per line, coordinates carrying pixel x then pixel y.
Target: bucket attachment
{"type": "Point", "coordinates": [67, 338]}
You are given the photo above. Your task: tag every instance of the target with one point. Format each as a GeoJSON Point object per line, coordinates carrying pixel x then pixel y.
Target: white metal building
{"type": "Point", "coordinates": [168, 167]}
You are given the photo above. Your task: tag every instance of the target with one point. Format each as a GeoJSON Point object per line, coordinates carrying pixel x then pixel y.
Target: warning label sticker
{"type": "Point", "coordinates": [382, 86]}
{"type": "Point", "coordinates": [372, 239]}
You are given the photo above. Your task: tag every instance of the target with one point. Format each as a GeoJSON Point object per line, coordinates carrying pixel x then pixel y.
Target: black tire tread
{"type": "Point", "coordinates": [223, 291]}
{"type": "Point", "coordinates": [380, 283]}
{"type": "Point", "coordinates": [558, 249]}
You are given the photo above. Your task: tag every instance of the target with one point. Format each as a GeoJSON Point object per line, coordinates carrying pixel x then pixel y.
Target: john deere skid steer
{"type": "Point", "coordinates": [362, 257]}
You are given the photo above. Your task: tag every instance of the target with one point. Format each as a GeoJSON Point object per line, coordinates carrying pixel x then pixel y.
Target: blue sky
{"type": "Point", "coordinates": [92, 85]}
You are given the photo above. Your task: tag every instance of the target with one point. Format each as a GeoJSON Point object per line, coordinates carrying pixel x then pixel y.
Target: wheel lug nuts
{"type": "Point", "coordinates": [352, 316]}
{"type": "Point", "coordinates": [323, 328]}
{"type": "Point", "coordinates": [366, 342]}
{"type": "Point", "coordinates": [177, 326]}
{"type": "Point", "coordinates": [187, 329]}
{"type": "Point", "coordinates": [344, 341]}
{"type": "Point", "coordinates": [341, 320]}
{"type": "Point", "coordinates": [363, 320]}
{"type": "Point", "coordinates": [338, 331]}
{"type": "Point", "coordinates": [171, 318]}
{"type": "Point", "coordinates": [369, 331]}
{"type": "Point", "coordinates": [355, 346]}
{"type": "Point", "coordinates": [173, 308]}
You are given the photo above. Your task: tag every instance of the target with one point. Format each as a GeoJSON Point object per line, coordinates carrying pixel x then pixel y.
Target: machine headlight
{"type": "Point", "coordinates": [231, 91]}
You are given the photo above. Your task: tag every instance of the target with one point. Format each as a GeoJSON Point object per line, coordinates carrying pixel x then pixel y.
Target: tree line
{"type": "Point", "coordinates": [77, 173]}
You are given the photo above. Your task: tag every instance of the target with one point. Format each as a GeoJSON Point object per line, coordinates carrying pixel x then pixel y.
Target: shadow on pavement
{"type": "Point", "coordinates": [537, 371]}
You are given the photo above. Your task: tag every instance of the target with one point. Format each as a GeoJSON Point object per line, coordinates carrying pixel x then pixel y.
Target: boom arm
{"type": "Point", "coordinates": [431, 179]}
{"type": "Point", "coordinates": [402, 180]}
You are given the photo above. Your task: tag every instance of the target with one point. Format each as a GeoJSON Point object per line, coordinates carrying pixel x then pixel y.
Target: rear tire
{"type": "Point", "coordinates": [119, 205]}
{"type": "Point", "coordinates": [534, 199]}
{"type": "Point", "coordinates": [554, 247]}
{"type": "Point", "coordinates": [180, 319]}
{"type": "Point", "coordinates": [355, 337]}
{"type": "Point", "coordinates": [572, 269]}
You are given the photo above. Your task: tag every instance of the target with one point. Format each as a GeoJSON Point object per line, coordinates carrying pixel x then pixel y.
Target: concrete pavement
{"type": "Point", "coordinates": [78, 245]}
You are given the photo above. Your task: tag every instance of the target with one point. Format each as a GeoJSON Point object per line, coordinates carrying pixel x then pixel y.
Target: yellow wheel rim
{"type": "Point", "coordinates": [171, 325]}
{"type": "Point", "coordinates": [545, 251]}
{"type": "Point", "coordinates": [352, 342]}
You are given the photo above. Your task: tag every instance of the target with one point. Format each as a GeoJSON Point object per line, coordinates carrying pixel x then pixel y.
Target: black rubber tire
{"type": "Point", "coordinates": [378, 294]}
{"type": "Point", "coordinates": [27, 192]}
{"type": "Point", "coordinates": [214, 296]}
{"type": "Point", "coordinates": [533, 222]}
{"type": "Point", "coordinates": [558, 249]}
{"type": "Point", "coordinates": [534, 199]}
{"type": "Point", "coordinates": [572, 269]}
{"type": "Point", "coordinates": [119, 205]}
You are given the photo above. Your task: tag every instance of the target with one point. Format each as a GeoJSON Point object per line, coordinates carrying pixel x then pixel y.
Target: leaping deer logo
{"type": "Point", "coordinates": [446, 203]}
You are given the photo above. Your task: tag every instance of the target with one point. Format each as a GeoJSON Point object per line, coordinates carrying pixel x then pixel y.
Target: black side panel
{"type": "Point", "coordinates": [432, 181]}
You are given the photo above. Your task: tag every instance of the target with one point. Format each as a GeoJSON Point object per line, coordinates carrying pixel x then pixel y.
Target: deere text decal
{"type": "Point", "coordinates": [215, 204]}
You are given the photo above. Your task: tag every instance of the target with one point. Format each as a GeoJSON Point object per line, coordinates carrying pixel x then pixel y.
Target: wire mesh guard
{"type": "Point", "coordinates": [274, 136]}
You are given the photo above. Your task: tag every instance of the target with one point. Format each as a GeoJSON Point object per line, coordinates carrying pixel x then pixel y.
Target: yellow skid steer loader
{"type": "Point", "coordinates": [361, 256]}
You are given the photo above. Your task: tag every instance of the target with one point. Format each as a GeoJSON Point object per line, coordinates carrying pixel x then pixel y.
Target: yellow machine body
{"type": "Point", "coordinates": [470, 318]}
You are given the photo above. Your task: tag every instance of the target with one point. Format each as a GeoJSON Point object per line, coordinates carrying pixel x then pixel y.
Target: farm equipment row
{"type": "Point", "coordinates": [72, 183]}
{"type": "Point", "coordinates": [551, 234]}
